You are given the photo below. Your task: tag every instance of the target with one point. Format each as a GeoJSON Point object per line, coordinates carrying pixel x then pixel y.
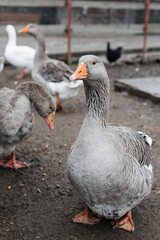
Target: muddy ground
{"type": "Point", "coordinates": [41, 201]}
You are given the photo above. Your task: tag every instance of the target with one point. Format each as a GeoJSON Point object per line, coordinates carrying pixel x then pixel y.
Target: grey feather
{"type": "Point", "coordinates": [54, 71]}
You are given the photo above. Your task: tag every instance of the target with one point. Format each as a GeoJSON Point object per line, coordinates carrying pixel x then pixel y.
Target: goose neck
{"type": "Point", "coordinates": [40, 47]}
{"type": "Point", "coordinates": [12, 37]}
{"type": "Point", "coordinates": [29, 89]}
{"type": "Point", "coordinates": [97, 99]}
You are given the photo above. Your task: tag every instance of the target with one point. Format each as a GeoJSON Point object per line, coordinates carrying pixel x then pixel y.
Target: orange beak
{"type": "Point", "coordinates": [24, 30]}
{"type": "Point", "coordinates": [80, 73]}
{"type": "Point", "coordinates": [50, 120]}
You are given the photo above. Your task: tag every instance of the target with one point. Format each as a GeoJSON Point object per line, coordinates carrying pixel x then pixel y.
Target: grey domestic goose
{"type": "Point", "coordinates": [2, 60]}
{"type": "Point", "coordinates": [17, 118]}
{"type": "Point", "coordinates": [51, 73]}
{"type": "Point", "coordinates": [110, 165]}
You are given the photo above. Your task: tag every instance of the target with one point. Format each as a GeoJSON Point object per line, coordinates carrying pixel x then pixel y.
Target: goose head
{"type": "Point", "coordinates": [32, 29]}
{"type": "Point", "coordinates": [10, 28]}
{"type": "Point", "coordinates": [46, 108]}
{"type": "Point", "coordinates": [11, 32]}
{"type": "Point", "coordinates": [42, 100]}
{"type": "Point", "coordinates": [90, 69]}
{"type": "Point", "coordinates": [44, 104]}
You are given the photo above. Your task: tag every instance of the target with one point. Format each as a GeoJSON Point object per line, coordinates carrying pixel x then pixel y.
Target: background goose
{"type": "Point", "coordinates": [2, 60]}
{"type": "Point", "coordinates": [108, 164]}
{"type": "Point", "coordinates": [19, 56]}
{"type": "Point", "coordinates": [17, 118]}
{"type": "Point", "coordinates": [51, 73]}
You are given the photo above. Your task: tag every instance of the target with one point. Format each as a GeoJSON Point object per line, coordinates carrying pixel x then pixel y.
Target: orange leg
{"type": "Point", "coordinates": [58, 103]}
{"type": "Point", "coordinates": [124, 222]}
{"type": "Point", "coordinates": [86, 217]}
{"type": "Point", "coordinates": [13, 163]}
{"type": "Point", "coordinates": [21, 75]}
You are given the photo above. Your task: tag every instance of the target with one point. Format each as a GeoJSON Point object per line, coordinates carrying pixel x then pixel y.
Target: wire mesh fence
{"type": "Point", "coordinates": [128, 13]}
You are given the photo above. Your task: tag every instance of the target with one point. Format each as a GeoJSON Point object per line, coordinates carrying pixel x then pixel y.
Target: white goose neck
{"type": "Point", "coordinates": [12, 36]}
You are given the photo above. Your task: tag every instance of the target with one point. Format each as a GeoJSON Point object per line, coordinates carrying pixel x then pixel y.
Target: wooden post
{"type": "Point", "coordinates": [69, 30]}
{"type": "Point", "coordinates": [147, 6]}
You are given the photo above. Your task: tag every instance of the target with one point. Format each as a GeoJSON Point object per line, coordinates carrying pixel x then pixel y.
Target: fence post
{"type": "Point", "coordinates": [147, 7]}
{"type": "Point", "coordinates": [69, 30]}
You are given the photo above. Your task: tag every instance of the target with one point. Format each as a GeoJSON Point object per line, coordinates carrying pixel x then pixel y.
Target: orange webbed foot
{"type": "Point", "coordinates": [86, 217]}
{"type": "Point", "coordinates": [124, 222]}
{"type": "Point", "coordinates": [15, 164]}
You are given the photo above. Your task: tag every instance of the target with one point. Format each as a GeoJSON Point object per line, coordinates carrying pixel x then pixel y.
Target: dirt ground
{"type": "Point", "coordinates": [41, 201]}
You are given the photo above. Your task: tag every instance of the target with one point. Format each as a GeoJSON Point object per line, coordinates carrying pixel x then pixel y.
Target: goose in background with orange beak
{"type": "Point", "coordinates": [109, 164]}
{"type": "Point", "coordinates": [52, 74]}
{"type": "Point", "coordinates": [17, 119]}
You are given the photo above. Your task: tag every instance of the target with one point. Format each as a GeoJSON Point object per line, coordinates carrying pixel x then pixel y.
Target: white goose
{"type": "Point", "coordinates": [51, 73]}
{"type": "Point", "coordinates": [18, 56]}
{"type": "Point", "coordinates": [110, 165]}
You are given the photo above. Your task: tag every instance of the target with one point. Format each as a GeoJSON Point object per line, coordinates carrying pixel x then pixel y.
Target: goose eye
{"type": "Point", "coordinates": [94, 63]}
{"type": "Point", "coordinates": [51, 108]}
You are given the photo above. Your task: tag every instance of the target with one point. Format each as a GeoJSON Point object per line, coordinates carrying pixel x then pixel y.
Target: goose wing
{"type": "Point", "coordinates": [55, 71]}
{"type": "Point", "coordinates": [134, 143]}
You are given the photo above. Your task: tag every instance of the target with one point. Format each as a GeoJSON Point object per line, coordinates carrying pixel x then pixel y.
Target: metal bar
{"type": "Point", "coordinates": [146, 28]}
{"type": "Point", "coordinates": [69, 30]}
